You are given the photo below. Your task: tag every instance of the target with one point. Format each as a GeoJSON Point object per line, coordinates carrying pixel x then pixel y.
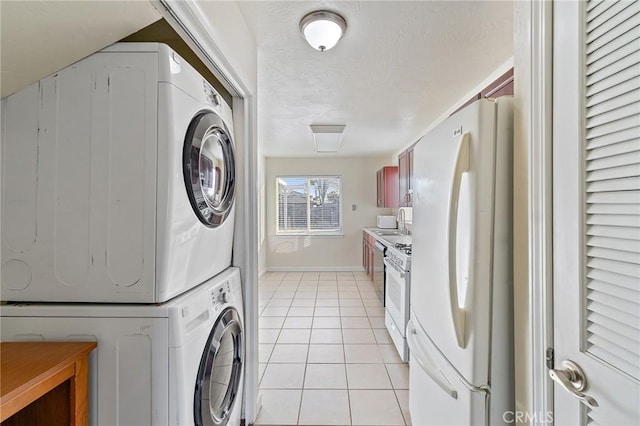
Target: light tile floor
{"type": "Point", "coordinates": [325, 355]}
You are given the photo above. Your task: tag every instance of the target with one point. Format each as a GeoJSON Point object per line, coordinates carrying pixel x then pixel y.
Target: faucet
{"type": "Point", "coordinates": [403, 220]}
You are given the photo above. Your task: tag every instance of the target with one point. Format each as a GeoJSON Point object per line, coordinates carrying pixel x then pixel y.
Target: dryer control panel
{"type": "Point", "coordinates": [210, 94]}
{"type": "Point", "coordinates": [220, 296]}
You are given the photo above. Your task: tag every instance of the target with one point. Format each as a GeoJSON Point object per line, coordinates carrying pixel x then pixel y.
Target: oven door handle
{"type": "Point", "coordinates": [391, 265]}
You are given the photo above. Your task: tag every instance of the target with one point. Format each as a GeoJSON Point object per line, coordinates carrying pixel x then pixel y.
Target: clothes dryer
{"type": "Point", "coordinates": [179, 363]}
{"type": "Point", "coordinates": [118, 180]}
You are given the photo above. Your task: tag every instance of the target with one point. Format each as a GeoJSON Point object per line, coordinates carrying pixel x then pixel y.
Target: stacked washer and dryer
{"type": "Point", "coordinates": [118, 187]}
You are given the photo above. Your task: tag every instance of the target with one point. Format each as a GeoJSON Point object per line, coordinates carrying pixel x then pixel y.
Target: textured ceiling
{"type": "Point", "coordinates": [399, 66]}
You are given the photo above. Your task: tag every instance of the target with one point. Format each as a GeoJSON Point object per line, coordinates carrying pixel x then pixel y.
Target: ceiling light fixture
{"type": "Point", "coordinates": [327, 138]}
{"type": "Point", "coordinates": [322, 29]}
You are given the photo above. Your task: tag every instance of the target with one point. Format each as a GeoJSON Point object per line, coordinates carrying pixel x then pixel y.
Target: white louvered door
{"type": "Point", "coordinates": [596, 207]}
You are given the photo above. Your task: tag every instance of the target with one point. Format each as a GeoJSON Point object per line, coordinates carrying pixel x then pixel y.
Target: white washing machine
{"type": "Point", "coordinates": [118, 180]}
{"type": "Point", "coordinates": [180, 363]}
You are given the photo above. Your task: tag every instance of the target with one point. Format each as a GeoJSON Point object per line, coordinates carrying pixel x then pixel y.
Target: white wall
{"type": "Point", "coordinates": [450, 109]}
{"type": "Point", "coordinates": [328, 252]}
{"type": "Point", "coordinates": [522, 311]}
{"type": "Point", "coordinates": [262, 206]}
{"type": "Point", "coordinates": [234, 41]}
{"type": "Point", "coordinates": [532, 248]}
{"type": "Point", "coordinates": [220, 28]}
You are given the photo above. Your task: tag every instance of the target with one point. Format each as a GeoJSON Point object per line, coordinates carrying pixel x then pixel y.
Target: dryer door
{"type": "Point", "coordinates": [220, 372]}
{"type": "Point", "coordinates": [209, 168]}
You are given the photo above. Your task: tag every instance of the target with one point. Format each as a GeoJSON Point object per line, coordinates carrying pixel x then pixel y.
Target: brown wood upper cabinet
{"type": "Point", "coordinates": [405, 177]}
{"type": "Point", "coordinates": [387, 187]}
{"type": "Point", "coordinates": [502, 86]}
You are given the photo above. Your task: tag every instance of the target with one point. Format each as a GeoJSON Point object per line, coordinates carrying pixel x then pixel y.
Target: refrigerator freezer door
{"type": "Point", "coordinates": [452, 237]}
{"type": "Point", "coordinates": [437, 396]}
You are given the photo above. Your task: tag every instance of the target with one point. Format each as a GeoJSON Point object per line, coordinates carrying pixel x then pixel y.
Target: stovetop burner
{"type": "Point", "coordinates": [400, 255]}
{"type": "Point", "coordinates": [404, 248]}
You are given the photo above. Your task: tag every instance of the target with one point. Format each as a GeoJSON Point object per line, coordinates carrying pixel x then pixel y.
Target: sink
{"type": "Point", "coordinates": [390, 236]}
{"type": "Point", "coordinates": [383, 233]}
{"type": "Point", "coordinates": [399, 238]}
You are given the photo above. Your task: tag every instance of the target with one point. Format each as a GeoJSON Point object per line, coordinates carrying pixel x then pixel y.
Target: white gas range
{"type": "Point", "coordinates": [398, 288]}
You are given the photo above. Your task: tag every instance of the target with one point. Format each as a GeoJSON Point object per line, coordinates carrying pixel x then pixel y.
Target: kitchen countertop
{"type": "Point", "coordinates": [388, 237]}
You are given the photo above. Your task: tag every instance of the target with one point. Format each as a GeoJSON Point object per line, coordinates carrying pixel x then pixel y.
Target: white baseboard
{"type": "Point", "coordinates": [315, 268]}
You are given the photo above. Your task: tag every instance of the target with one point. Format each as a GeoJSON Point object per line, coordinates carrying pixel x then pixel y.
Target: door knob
{"type": "Point", "coordinates": [572, 379]}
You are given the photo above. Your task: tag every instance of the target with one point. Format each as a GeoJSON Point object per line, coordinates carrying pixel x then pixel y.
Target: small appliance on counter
{"type": "Point", "coordinates": [386, 222]}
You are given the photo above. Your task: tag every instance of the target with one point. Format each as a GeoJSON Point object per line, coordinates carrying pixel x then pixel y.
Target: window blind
{"type": "Point", "coordinates": [612, 183]}
{"type": "Point", "coordinates": [309, 204]}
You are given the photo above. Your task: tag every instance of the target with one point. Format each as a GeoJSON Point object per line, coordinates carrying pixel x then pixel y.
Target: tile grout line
{"type": "Point", "coordinates": [400, 406]}
{"type": "Point", "coordinates": [341, 324]}
{"type": "Point", "coordinates": [345, 370]}
{"type": "Point", "coordinates": [304, 378]}
{"type": "Point", "coordinates": [304, 374]}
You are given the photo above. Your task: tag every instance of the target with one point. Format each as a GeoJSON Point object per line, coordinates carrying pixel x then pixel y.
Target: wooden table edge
{"type": "Point", "coordinates": [18, 398]}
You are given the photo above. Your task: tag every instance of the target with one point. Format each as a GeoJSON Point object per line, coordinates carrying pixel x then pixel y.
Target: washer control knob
{"type": "Point", "coordinates": [222, 298]}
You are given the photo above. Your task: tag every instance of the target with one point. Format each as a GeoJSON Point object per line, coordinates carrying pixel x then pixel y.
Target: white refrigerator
{"type": "Point", "coordinates": [461, 329]}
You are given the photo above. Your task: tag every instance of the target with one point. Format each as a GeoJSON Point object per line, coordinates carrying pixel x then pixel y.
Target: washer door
{"type": "Point", "coordinates": [209, 168]}
{"type": "Point", "coordinates": [220, 371]}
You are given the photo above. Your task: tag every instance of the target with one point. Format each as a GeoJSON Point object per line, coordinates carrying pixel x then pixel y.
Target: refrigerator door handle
{"type": "Point", "coordinates": [427, 365]}
{"type": "Point", "coordinates": [461, 167]}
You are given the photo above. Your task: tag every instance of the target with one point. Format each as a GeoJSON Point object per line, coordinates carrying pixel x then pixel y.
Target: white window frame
{"type": "Point", "coordinates": [309, 231]}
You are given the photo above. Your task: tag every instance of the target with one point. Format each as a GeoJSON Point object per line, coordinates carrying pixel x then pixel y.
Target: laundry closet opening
{"type": "Point", "coordinates": [161, 32]}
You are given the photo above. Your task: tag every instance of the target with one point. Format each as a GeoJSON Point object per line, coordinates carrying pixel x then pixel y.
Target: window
{"type": "Point", "coordinates": [309, 205]}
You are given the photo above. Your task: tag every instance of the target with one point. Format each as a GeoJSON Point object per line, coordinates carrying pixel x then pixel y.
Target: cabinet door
{"type": "Point", "coordinates": [403, 178]}
{"type": "Point", "coordinates": [371, 260]}
{"type": "Point", "coordinates": [390, 180]}
{"type": "Point", "coordinates": [367, 257]}
{"type": "Point", "coordinates": [81, 224]}
{"type": "Point", "coordinates": [387, 187]}
{"type": "Point", "coordinates": [596, 303]}
{"type": "Point", "coordinates": [364, 252]}
{"type": "Point", "coordinates": [409, 201]}
{"type": "Point", "coordinates": [379, 189]}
